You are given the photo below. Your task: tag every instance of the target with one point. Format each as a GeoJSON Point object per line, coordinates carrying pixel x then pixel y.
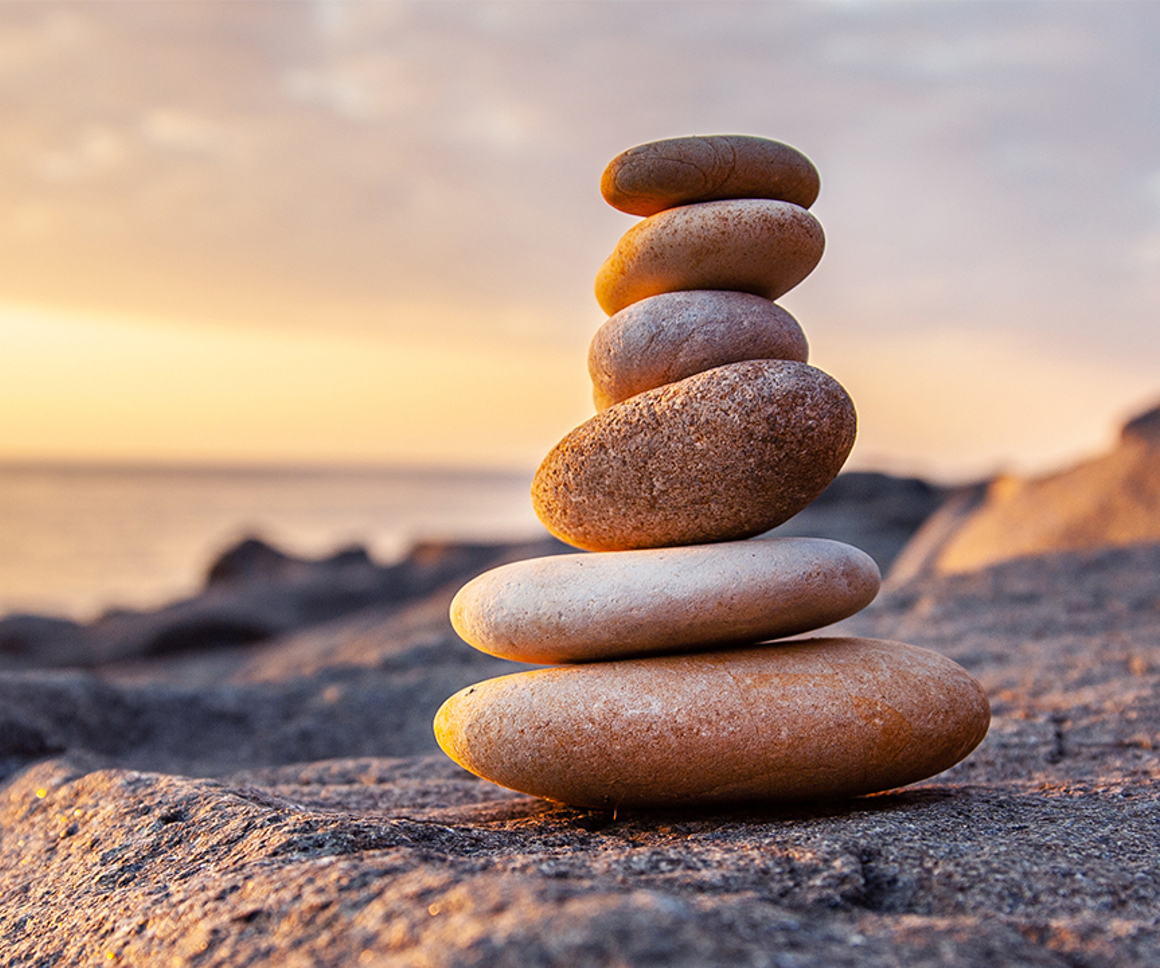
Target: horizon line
{"type": "Point", "coordinates": [195, 466]}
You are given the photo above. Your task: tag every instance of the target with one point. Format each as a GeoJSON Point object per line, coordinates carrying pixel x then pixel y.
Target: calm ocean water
{"type": "Point", "coordinates": [77, 540]}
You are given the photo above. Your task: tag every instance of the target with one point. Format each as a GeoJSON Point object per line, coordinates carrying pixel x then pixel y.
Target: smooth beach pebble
{"type": "Point", "coordinates": [811, 719]}
{"type": "Point", "coordinates": [678, 171]}
{"type": "Point", "coordinates": [750, 245]}
{"type": "Point", "coordinates": [668, 337]}
{"type": "Point", "coordinates": [722, 455]}
{"type": "Point", "coordinates": [581, 608]}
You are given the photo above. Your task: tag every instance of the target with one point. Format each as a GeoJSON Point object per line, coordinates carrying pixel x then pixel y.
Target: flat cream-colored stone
{"type": "Point", "coordinates": [813, 719]}
{"type": "Point", "coordinates": [722, 455]}
{"type": "Point", "coordinates": [677, 171]}
{"type": "Point", "coordinates": [582, 608]}
{"type": "Point", "coordinates": [750, 245]}
{"type": "Point", "coordinates": [668, 337]}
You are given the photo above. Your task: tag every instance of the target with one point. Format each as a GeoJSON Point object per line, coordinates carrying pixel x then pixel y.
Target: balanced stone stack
{"type": "Point", "coordinates": [674, 682]}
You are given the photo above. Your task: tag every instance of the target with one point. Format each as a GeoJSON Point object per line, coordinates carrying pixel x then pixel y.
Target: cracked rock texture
{"type": "Point", "coordinates": [153, 811]}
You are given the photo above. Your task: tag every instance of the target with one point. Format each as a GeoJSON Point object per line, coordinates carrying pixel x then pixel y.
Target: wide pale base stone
{"type": "Point", "coordinates": [809, 719]}
{"type": "Point", "coordinates": [623, 604]}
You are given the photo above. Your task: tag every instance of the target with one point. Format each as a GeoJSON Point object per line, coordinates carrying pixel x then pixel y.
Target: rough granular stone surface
{"type": "Point", "coordinates": [1037, 850]}
{"type": "Point", "coordinates": [725, 454]}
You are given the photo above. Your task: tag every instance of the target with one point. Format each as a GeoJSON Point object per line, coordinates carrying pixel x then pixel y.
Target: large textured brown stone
{"type": "Point", "coordinates": [808, 719]}
{"type": "Point", "coordinates": [668, 337]}
{"type": "Point", "coordinates": [677, 171]}
{"type": "Point", "coordinates": [750, 245]}
{"type": "Point", "coordinates": [584, 608]}
{"type": "Point", "coordinates": [725, 454]}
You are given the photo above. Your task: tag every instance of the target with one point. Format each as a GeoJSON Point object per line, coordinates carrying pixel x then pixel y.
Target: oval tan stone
{"type": "Point", "coordinates": [812, 719]}
{"type": "Point", "coordinates": [582, 608]}
{"type": "Point", "coordinates": [677, 171]}
{"type": "Point", "coordinates": [668, 337]}
{"type": "Point", "coordinates": [722, 455]}
{"type": "Point", "coordinates": [750, 245]}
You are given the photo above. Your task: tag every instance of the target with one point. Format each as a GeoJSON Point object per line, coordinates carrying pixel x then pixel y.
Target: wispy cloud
{"type": "Point", "coordinates": [986, 167]}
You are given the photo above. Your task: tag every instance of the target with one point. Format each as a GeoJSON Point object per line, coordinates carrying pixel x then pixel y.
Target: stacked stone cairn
{"type": "Point", "coordinates": [674, 682]}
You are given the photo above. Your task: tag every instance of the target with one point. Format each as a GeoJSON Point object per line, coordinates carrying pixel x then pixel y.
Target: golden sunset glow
{"type": "Point", "coordinates": [367, 232]}
{"type": "Point", "coordinates": [953, 405]}
{"type": "Point", "coordinates": [74, 387]}
{"type": "Point", "coordinates": [99, 388]}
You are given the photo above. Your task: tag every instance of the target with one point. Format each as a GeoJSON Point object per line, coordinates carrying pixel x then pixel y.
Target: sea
{"type": "Point", "coordinates": [78, 540]}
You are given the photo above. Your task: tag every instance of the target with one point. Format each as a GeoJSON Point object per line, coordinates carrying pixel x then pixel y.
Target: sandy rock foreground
{"type": "Point", "coordinates": [1038, 850]}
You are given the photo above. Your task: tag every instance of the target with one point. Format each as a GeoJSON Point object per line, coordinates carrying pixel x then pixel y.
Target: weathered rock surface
{"type": "Point", "coordinates": [253, 593]}
{"type": "Point", "coordinates": [804, 719]}
{"type": "Point", "coordinates": [353, 688]}
{"type": "Point", "coordinates": [722, 455]}
{"type": "Point", "coordinates": [1038, 849]}
{"type": "Point", "coordinates": [750, 245]}
{"type": "Point", "coordinates": [677, 171]}
{"type": "Point", "coordinates": [584, 608]}
{"type": "Point", "coordinates": [1109, 500]}
{"type": "Point", "coordinates": [668, 337]}
{"type": "Point", "coordinates": [322, 689]}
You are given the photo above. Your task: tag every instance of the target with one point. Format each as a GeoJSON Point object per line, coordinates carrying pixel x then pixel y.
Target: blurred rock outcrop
{"type": "Point", "coordinates": [254, 593]}
{"type": "Point", "coordinates": [1111, 500]}
{"type": "Point", "coordinates": [878, 513]}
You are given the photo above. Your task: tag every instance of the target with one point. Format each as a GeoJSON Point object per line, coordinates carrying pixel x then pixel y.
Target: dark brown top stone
{"type": "Point", "coordinates": [664, 174]}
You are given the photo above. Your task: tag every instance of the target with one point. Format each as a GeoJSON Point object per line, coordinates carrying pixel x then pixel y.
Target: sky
{"type": "Point", "coordinates": [366, 232]}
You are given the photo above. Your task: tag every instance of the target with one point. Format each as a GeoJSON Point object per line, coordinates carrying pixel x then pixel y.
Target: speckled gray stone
{"type": "Point", "coordinates": [677, 171]}
{"type": "Point", "coordinates": [725, 454]}
{"type": "Point", "coordinates": [750, 245]}
{"type": "Point", "coordinates": [668, 337]}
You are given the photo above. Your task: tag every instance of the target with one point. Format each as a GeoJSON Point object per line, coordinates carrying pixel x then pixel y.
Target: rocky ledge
{"type": "Point", "coordinates": [280, 802]}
